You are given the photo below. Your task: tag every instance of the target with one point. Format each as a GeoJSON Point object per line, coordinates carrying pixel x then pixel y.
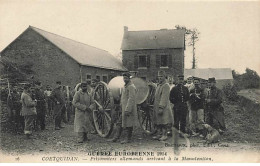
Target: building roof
{"type": "Point", "coordinates": [218, 73]}
{"type": "Point", "coordinates": [84, 54]}
{"type": "Point", "coordinates": [153, 39]}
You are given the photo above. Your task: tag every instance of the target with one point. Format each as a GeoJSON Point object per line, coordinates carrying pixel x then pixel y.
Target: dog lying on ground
{"type": "Point", "coordinates": [211, 135]}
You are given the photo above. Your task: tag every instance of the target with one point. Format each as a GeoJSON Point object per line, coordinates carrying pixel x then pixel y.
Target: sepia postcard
{"type": "Point", "coordinates": [157, 81]}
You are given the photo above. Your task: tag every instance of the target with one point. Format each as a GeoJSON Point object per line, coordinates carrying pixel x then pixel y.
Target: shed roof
{"type": "Point", "coordinates": [153, 39]}
{"type": "Point", "coordinates": [218, 73]}
{"type": "Point", "coordinates": [84, 54]}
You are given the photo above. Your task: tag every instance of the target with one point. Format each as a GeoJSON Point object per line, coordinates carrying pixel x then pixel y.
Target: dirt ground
{"type": "Point", "coordinates": [243, 134]}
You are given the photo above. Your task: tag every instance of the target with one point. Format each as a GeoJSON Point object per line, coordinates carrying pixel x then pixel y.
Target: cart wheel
{"type": "Point", "coordinates": [145, 115]}
{"type": "Point", "coordinates": [145, 111]}
{"type": "Point", "coordinates": [102, 118]}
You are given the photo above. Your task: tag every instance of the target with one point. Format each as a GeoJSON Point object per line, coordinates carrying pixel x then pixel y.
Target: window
{"type": "Point", "coordinates": [105, 79]}
{"type": "Point", "coordinates": [164, 61]}
{"type": "Point", "coordinates": [98, 77]}
{"type": "Point", "coordinates": [89, 76]}
{"type": "Point", "coordinates": [144, 78]}
{"type": "Point", "coordinates": [142, 61]}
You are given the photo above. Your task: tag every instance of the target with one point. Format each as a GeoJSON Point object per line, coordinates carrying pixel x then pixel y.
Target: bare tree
{"type": "Point", "coordinates": [193, 35]}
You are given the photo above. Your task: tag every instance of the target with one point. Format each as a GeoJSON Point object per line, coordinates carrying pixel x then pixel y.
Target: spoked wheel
{"type": "Point", "coordinates": [102, 117]}
{"type": "Point", "coordinates": [145, 112]}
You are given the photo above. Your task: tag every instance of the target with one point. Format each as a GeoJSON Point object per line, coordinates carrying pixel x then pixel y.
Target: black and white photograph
{"type": "Point", "coordinates": [129, 81]}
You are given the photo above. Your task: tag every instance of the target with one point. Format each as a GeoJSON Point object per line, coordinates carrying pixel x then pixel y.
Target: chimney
{"type": "Point", "coordinates": [125, 29]}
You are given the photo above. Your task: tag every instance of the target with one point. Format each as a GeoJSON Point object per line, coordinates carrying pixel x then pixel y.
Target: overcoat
{"type": "Point", "coordinates": [162, 101]}
{"type": "Point", "coordinates": [82, 101]}
{"type": "Point", "coordinates": [214, 107]}
{"type": "Point", "coordinates": [28, 105]}
{"type": "Point", "coordinates": [128, 104]}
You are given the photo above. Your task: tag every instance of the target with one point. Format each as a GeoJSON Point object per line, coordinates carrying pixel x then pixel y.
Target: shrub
{"type": "Point", "coordinates": [230, 92]}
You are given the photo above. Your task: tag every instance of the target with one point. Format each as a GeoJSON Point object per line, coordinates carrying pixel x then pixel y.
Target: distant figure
{"type": "Point", "coordinates": [28, 110]}
{"type": "Point", "coordinates": [214, 108]}
{"type": "Point", "coordinates": [47, 94]}
{"type": "Point", "coordinates": [58, 98]}
{"type": "Point", "coordinates": [179, 96]}
{"type": "Point", "coordinates": [162, 106]}
{"type": "Point", "coordinates": [41, 106]}
{"type": "Point", "coordinates": [84, 103]}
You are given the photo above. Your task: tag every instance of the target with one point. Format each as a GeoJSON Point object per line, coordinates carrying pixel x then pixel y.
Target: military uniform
{"type": "Point", "coordinates": [58, 99]}
{"type": "Point", "coordinates": [197, 111]}
{"type": "Point", "coordinates": [40, 108]}
{"type": "Point", "coordinates": [179, 96]}
{"type": "Point", "coordinates": [214, 109]}
{"type": "Point", "coordinates": [28, 111]}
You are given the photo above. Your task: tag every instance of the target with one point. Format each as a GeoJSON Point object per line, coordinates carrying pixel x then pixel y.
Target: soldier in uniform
{"type": "Point", "coordinates": [16, 106]}
{"type": "Point", "coordinates": [84, 103]}
{"type": "Point", "coordinates": [214, 109]}
{"type": "Point", "coordinates": [197, 111]}
{"type": "Point", "coordinates": [128, 118]}
{"type": "Point", "coordinates": [58, 98]}
{"type": "Point", "coordinates": [129, 107]}
{"type": "Point", "coordinates": [179, 96]}
{"type": "Point", "coordinates": [162, 107]}
{"type": "Point", "coordinates": [28, 110]}
{"type": "Point", "coordinates": [41, 106]}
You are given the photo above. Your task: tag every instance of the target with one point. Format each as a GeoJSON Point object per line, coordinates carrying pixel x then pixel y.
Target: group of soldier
{"type": "Point", "coordinates": [185, 107]}
{"type": "Point", "coordinates": [190, 108]}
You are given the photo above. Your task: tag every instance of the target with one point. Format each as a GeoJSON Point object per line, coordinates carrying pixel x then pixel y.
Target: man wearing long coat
{"type": "Point", "coordinates": [179, 96]}
{"type": "Point", "coordinates": [214, 109]}
{"type": "Point", "coordinates": [58, 98]}
{"type": "Point", "coordinates": [84, 103]}
{"type": "Point", "coordinates": [162, 107]}
{"type": "Point", "coordinates": [28, 110]}
{"type": "Point", "coordinates": [129, 107]}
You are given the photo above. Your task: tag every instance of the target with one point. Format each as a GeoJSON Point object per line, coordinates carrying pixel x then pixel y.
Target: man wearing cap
{"type": "Point", "coordinates": [84, 103]}
{"type": "Point", "coordinates": [179, 96]}
{"type": "Point", "coordinates": [47, 94]}
{"type": "Point", "coordinates": [28, 110]}
{"type": "Point", "coordinates": [58, 98]}
{"type": "Point", "coordinates": [129, 107]}
{"type": "Point", "coordinates": [162, 107]}
{"type": "Point", "coordinates": [41, 106]}
{"type": "Point", "coordinates": [214, 109]}
{"type": "Point", "coordinates": [197, 112]}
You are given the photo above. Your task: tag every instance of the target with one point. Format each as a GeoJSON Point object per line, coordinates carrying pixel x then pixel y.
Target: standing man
{"type": "Point", "coordinates": [129, 107]}
{"type": "Point", "coordinates": [179, 96]}
{"type": "Point", "coordinates": [162, 107]}
{"type": "Point", "coordinates": [197, 112]}
{"type": "Point", "coordinates": [41, 106]}
{"type": "Point", "coordinates": [190, 86]}
{"type": "Point", "coordinates": [28, 110]}
{"type": "Point", "coordinates": [214, 109]}
{"type": "Point", "coordinates": [83, 101]}
{"type": "Point", "coordinates": [47, 94]}
{"type": "Point", "coordinates": [58, 99]}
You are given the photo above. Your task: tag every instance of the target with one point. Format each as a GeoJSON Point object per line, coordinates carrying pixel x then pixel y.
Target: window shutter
{"type": "Point", "coordinates": [136, 62]}
{"type": "Point", "coordinates": [170, 61]}
{"type": "Point", "coordinates": [158, 61]}
{"type": "Point", "coordinates": [148, 61]}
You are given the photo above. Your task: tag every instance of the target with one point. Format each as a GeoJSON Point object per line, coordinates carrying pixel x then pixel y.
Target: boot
{"type": "Point", "coordinates": [117, 134]}
{"type": "Point", "coordinates": [164, 135]}
{"type": "Point", "coordinates": [129, 135]}
{"type": "Point", "coordinates": [80, 137]}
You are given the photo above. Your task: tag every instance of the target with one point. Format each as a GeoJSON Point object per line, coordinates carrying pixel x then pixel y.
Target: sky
{"type": "Point", "coordinates": [229, 30]}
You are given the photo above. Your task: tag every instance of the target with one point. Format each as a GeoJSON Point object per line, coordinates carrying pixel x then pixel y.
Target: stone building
{"type": "Point", "coordinates": [54, 57]}
{"type": "Point", "coordinates": [146, 52]}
